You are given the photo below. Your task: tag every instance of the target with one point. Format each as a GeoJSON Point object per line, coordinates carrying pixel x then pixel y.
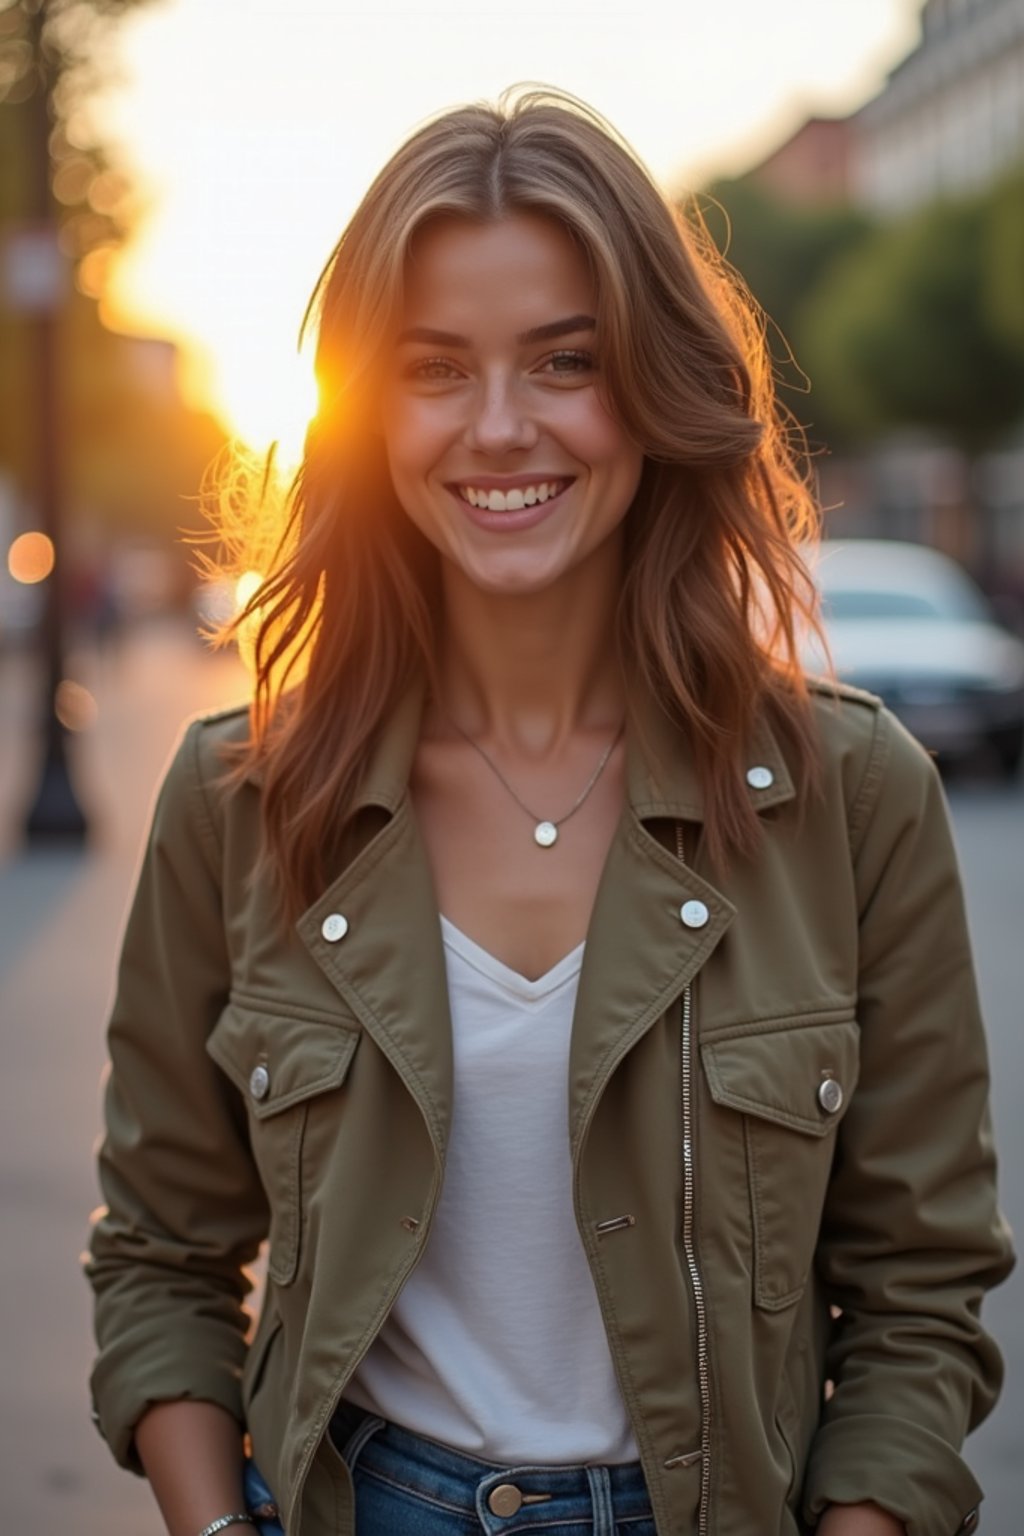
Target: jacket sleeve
{"type": "Point", "coordinates": [912, 1236]}
{"type": "Point", "coordinates": [184, 1211]}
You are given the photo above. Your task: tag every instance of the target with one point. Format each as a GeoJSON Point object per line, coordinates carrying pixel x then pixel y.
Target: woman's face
{"type": "Point", "coordinates": [500, 446]}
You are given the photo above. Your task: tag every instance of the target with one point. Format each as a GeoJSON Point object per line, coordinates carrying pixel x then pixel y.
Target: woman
{"type": "Point", "coordinates": [578, 997]}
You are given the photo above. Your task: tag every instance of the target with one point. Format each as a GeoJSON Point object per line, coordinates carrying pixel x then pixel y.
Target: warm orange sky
{"type": "Point", "coordinates": [255, 125]}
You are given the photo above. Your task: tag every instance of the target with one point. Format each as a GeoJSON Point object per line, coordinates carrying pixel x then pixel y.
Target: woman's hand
{"type": "Point", "coordinates": [859, 1520]}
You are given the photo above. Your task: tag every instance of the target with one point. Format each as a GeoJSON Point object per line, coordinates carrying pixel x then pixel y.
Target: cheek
{"type": "Point", "coordinates": [596, 438]}
{"type": "Point", "coordinates": [414, 435]}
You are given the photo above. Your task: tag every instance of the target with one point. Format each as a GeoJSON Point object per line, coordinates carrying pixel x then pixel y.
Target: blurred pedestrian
{"type": "Point", "coordinates": [576, 996]}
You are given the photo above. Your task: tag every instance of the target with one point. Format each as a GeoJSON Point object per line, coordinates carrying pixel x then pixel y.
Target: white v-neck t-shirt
{"type": "Point", "coordinates": [496, 1345]}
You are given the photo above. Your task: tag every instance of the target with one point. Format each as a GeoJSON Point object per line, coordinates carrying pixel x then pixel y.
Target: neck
{"type": "Point", "coordinates": [527, 671]}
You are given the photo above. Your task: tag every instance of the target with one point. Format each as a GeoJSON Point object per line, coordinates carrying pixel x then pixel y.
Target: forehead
{"type": "Point", "coordinates": [521, 270]}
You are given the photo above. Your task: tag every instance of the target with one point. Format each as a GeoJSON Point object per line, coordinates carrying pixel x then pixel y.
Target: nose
{"type": "Point", "coordinates": [499, 421]}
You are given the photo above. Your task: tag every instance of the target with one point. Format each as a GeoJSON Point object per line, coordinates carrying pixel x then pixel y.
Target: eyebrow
{"type": "Point", "coordinates": [549, 332]}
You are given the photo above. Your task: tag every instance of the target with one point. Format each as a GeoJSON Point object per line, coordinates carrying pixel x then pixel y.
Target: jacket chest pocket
{"type": "Point", "coordinates": [791, 1084]}
{"type": "Point", "coordinates": [280, 1064]}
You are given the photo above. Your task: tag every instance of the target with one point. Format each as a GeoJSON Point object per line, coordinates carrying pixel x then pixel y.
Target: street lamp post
{"type": "Point", "coordinates": [55, 812]}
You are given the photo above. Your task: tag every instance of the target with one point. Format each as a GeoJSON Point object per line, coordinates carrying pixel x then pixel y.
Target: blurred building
{"type": "Point", "coordinates": [813, 166]}
{"type": "Point", "coordinates": [951, 115]}
{"type": "Point", "coordinates": [949, 119]}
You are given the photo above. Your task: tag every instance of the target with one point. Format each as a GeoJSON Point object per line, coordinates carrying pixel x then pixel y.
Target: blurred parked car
{"type": "Point", "coordinates": [907, 623]}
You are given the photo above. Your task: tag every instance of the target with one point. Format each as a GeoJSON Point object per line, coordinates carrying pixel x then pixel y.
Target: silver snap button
{"type": "Point", "coordinates": [694, 914]}
{"type": "Point", "coordinates": [334, 927]}
{"type": "Point", "coordinates": [259, 1082]}
{"type": "Point", "coordinates": [830, 1096]}
{"type": "Point", "coordinates": [760, 778]}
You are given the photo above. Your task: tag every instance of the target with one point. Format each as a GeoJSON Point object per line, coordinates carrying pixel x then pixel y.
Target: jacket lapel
{"type": "Point", "coordinates": [639, 957]}
{"type": "Point", "coordinates": [389, 963]}
{"type": "Point", "coordinates": [641, 952]}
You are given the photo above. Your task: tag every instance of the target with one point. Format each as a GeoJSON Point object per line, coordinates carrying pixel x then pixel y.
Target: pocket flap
{"type": "Point", "coordinates": [277, 1061]}
{"type": "Point", "coordinates": [777, 1072]}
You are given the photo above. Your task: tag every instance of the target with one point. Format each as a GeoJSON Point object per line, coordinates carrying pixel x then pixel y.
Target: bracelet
{"type": "Point", "coordinates": [223, 1523]}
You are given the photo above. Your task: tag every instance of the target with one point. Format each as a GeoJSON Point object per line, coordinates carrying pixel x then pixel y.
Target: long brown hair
{"type": "Point", "coordinates": [714, 588]}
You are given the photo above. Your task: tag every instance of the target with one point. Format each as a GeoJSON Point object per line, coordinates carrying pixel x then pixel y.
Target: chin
{"type": "Point", "coordinates": [510, 579]}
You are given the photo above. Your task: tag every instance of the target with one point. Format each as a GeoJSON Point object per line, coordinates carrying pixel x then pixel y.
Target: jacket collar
{"type": "Point", "coordinates": [662, 779]}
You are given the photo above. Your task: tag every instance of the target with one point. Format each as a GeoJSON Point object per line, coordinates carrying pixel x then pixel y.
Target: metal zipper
{"type": "Point", "coordinates": [690, 1246]}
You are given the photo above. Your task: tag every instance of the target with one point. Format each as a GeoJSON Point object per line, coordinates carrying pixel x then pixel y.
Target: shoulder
{"type": "Point", "coordinates": [209, 743]}
{"type": "Point", "coordinates": [202, 771]}
{"type": "Point", "coordinates": [221, 727]}
{"type": "Point", "coordinates": [867, 755]}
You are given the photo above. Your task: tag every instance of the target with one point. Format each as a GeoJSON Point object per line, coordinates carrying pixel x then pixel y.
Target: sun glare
{"type": "Point", "coordinates": [267, 405]}
{"type": "Point", "coordinates": [266, 398]}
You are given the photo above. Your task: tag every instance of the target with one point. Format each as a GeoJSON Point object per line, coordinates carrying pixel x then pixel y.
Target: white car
{"type": "Point", "coordinates": [907, 623]}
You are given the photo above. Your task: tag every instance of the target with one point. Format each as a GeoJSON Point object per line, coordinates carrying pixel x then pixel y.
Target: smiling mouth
{"type": "Point", "coordinates": [516, 498]}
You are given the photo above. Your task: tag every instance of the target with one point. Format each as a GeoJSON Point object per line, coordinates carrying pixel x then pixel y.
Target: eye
{"type": "Point", "coordinates": [430, 368]}
{"type": "Point", "coordinates": [570, 362]}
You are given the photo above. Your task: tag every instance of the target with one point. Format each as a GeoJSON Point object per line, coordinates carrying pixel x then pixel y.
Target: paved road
{"type": "Point", "coordinates": [60, 918]}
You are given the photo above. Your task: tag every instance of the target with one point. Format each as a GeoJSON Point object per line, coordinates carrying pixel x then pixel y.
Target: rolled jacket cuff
{"type": "Point", "coordinates": [896, 1464]}
{"type": "Point", "coordinates": [125, 1383]}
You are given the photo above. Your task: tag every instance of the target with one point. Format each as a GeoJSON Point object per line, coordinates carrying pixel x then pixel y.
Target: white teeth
{"type": "Point", "coordinates": [513, 500]}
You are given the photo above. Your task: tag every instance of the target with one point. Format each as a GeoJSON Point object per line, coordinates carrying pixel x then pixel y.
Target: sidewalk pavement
{"type": "Point", "coordinates": [61, 914]}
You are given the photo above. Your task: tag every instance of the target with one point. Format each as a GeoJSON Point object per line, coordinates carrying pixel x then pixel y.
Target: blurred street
{"type": "Point", "coordinates": [60, 920]}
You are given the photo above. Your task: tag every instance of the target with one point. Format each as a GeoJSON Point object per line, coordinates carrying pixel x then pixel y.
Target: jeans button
{"type": "Point", "coordinates": [504, 1500]}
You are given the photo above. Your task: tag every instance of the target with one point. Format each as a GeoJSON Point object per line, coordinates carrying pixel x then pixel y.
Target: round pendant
{"type": "Point", "coordinates": [545, 833]}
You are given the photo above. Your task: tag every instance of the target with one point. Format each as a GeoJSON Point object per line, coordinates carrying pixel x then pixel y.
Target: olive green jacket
{"type": "Point", "coordinates": [777, 1111]}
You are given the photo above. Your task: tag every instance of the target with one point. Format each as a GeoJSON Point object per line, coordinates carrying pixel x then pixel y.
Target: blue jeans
{"type": "Point", "coordinates": [406, 1485]}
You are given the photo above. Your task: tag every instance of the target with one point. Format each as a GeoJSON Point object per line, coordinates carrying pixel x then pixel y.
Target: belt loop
{"type": "Point", "coordinates": [358, 1438]}
{"type": "Point", "coordinates": [601, 1497]}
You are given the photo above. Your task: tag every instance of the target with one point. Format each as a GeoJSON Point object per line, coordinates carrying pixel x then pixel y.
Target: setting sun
{"type": "Point", "coordinates": [287, 123]}
{"type": "Point", "coordinates": [268, 404]}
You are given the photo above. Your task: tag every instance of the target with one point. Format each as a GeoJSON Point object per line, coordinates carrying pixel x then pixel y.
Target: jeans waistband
{"type": "Point", "coordinates": [499, 1495]}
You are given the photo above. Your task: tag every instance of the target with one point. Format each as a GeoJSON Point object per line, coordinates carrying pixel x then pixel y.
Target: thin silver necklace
{"type": "Point", "coordinates": [545, 831]}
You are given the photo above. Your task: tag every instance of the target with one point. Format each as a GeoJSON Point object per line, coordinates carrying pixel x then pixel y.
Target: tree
{"type": "Point", "coordinates": [51, 61]}
{"type": "Point", "coordinates": [905, 332]}
{"type": "Point", "coordinates": [783, 253]}
{"type": "Point", "coordinates": [131, 452]}
{"type": "Point", "coordinates": [1004, 256]}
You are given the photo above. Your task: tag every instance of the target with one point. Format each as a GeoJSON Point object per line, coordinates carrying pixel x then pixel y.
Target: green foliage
{"type": "Point", "coordinates": [1004, 255]}
{"type": "Point", "coordinates": [783, 252]}
{"type": "Point", "coordinates": [132, 452]}
{"type": "Point", "coordinates": [907, 331]}
{"type": "Point", "coordinates": [57, 48]}
{"type": "Point", "coordinates": [917, 323]}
